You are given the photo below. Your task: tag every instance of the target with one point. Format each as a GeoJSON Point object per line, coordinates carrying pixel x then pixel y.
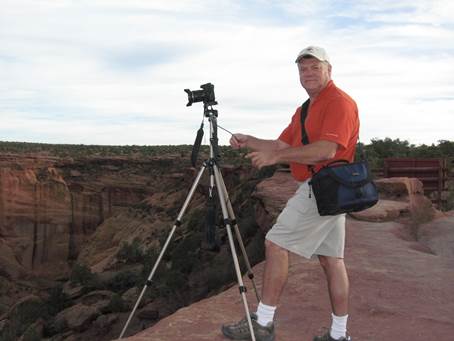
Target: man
{"type": "Point", "coordinates": [332, 127]}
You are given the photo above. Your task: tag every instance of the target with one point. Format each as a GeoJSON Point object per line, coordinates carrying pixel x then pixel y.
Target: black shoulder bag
{"type": "Point", "coordinates": [340, 186]}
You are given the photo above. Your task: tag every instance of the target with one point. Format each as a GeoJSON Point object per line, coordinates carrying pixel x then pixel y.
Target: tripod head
{"type": "Point", "coordinates": [206, 95]}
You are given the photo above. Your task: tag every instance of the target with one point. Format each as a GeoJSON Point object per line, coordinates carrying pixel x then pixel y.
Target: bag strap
{"type": "Point", "coordinates": [305, 137]}
{"type": "Point", "coordinates": [304, 112]}
{"type": "Point", "coordinates": [341, 161]}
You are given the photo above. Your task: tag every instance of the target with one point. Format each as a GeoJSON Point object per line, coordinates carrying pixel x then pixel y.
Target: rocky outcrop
{"type": "Point", "coordinates": [34, 216]}
{"type": "Point", "coordinates": [77, 317]}
{"type": "Point", "coordinates": [15, 322]}
{"type": "Point", "coordinates": [108, 218]}
{"type": "Point", "coordinates": [273, 194]}
{"type": "Point", "coordinates": [399, 286]}
{"type": "Point", "coordinates": [82, 235]}
{"type": "Point", "coordinates": [50, 206]}
{"type": "Point", "coordinates": [399, 197]}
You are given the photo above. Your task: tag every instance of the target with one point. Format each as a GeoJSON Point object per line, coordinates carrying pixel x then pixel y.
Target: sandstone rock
{"type": "Point", "coordinates": [7, 331]}
{"type": "Point", "coordinates": [399, 187]}
{"type": "Point", "coordinates": [130, 297]}
{"type": "Point", "coordinates": [103, 322]}
{"type": "Point", "coordinates": [66, 336]}
{"type": "Point", "coordinates": [34, 331]}
{"type": "Point", "coordinates": [25, 312]}
{"type": "Point", "coordinates": [399, 196]}
{"type": "Point", "coordinates": [384, 210]}
{"type": "Point", "coordinates": [73, 291]}
{"type": "Point", "coordinates": [57, 326]}
{"type": "Point", "coordinates": [3, 308]}
{"type": "Point", "coordinates": [75, 173]}
{"type": "Point", "coordinates": [148, 314]}
{"type": "Point", "coordinates": [397, 291]}
{"type": "Point", "coordinates": [99, 299]}
{"type": "Point", "coordinates": [49, 207]}
{"type": "Point", "coordinates": [273, 193]}
{"type": "Point", "coordinates": [34, 215]}
{"type": "Point", "coordinates": [155, 309]}
{"type": "Point", "coordinates": [438, 236]}
{"type": "Point", "coordinates": [77, 317]}
{"type": "Point", "coordinates": [9, 266]}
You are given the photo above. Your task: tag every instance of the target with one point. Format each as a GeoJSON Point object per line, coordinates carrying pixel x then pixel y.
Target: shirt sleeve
{"type": "Point", "coordinates": [339, 122]}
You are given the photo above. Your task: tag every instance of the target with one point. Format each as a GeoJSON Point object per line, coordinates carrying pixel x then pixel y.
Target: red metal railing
{"type": "Point", "coordinates": [433, 173]}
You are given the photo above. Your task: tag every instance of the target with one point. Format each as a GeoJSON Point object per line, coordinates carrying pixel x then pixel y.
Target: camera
{"type": "Point", "coordinates": [206, 95]}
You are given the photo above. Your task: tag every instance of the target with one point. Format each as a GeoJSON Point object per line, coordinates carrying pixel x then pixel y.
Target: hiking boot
{"type": "Point", "coordinates": [327, 337]}
{"type": "Point", "coordinates": [240, 330]}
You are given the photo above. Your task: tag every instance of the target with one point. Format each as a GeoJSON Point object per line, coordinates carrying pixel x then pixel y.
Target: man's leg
{"type": "Point", "coordinates": [274, 279]}
{"type": "Point", "coordinates": [275, 274]}
{"type": "Point", "coordinates": [337, 278]}
{"type": "Point", "coordinates": [338, 288]}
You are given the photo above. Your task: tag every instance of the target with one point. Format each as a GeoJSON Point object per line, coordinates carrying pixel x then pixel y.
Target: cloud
{"type": "Point", "coordinates": [110, 71]}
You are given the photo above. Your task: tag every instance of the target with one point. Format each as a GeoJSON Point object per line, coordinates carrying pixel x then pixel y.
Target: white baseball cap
{"type": "Point", "coordinates": [314, 51]}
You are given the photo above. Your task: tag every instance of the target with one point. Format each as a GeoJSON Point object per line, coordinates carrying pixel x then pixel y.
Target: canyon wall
{"type": "Point", "coordinates": [49, 206]}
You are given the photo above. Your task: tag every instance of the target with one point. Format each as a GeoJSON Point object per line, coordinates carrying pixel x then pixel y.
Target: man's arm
{"type": "Point", "coordinates": [308, 154]}
{"type": "Point", "coordinates": [256, 144]}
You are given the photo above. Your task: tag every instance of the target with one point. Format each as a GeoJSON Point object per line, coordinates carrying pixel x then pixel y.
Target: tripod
{"type": "Point", "coordinates": [216, 183]}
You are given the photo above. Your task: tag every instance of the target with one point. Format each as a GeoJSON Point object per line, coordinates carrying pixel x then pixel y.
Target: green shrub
{"type": "Point", "coordinates": [31, 335]}
{"type": "Point", "coordinates": [123, 281]}
{"type": "Point", "coordinates": [116, 304]}
{"type": "Point", "coordinates": [7, 331]}
{"type": "Point", "coordinates": [265, 172]}
{"type": "Point", "coordinates": [450, 196]}
{"type": "Point", "coordinates": [196, 220]}
{"type": "Point", "coordinates": [131, 253]}
{"type": "Point", "coordinates": [81, 275]}
{"type": "Point", "coordinates": [57, 300]}
{"type": "Point", "coordinates": [149, 259]}
{"type": "Point", "coordinates": [25, 313]}
{"type": "Point", "coordinates": [219, 272]}
{"type": "Point", "coordinates": [171, 282]}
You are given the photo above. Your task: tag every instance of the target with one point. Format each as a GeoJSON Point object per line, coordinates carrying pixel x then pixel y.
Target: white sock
{"type": "Point", "coordinates": [339, 326]}
{"type": "Point", "coordinates": [265, 314]}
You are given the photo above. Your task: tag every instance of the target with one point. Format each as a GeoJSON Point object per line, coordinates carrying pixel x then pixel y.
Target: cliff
{"type": "Point", "coordinates": [50, 206]}
{"type": "Point", "coordinates": [401, 275]}
{"type": "Point", "coordinates": [78, 237]}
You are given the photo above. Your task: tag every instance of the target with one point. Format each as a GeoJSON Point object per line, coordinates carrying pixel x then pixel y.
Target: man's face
{"type": "Point", "coordinates": [314, 74]}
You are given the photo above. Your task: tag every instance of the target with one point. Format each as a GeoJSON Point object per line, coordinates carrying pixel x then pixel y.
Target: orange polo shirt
{"type": "Point", "coordinates": [333, 116]}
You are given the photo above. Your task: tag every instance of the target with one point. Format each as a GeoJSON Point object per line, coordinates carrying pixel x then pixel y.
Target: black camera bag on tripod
{"type": "Point", "coordinates": [340, 186]}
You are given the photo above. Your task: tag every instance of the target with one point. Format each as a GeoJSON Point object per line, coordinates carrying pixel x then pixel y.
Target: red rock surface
{"type": "Point", "coordinates": [399, 196]}
{"type": "Point", "coordinates": [401, 289]}
{"type": "Point", "coordinates": [35, 206]}
{"type": "Point", "coordinates": [49, 207]}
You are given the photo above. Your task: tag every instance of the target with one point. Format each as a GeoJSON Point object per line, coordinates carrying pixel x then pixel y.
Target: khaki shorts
{"type": "Point", "coordinates": [300, 229]}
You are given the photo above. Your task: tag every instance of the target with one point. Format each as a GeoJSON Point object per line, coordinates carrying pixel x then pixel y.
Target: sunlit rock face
{"type": "Point", "coordinates": [49, 206]}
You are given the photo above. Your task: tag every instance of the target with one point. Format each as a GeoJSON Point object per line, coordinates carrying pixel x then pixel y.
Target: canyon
{"type": "Point", "coordinates": [79, 235]}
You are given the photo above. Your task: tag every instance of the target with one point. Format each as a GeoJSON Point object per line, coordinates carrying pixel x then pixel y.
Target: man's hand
{"type": "Point", "coordinates": [263, 158]}
{"type": "Point", "coordinates": [238, 141]}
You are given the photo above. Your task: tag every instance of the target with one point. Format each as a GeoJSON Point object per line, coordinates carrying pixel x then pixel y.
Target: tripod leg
{"type": "Point", "coordinates": [250, 273]}
{"type": "Point", "coordinates": [227, 222]}
{"type": "Point", "coordinates": [164, 248]}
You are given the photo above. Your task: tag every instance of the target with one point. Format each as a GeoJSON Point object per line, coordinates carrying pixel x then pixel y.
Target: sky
{"type": "Point", "coordinates": [112, 72]}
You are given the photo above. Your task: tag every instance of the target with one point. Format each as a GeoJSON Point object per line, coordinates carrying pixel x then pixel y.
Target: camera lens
{"type": "Point", "coordinates": [194, 96]}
